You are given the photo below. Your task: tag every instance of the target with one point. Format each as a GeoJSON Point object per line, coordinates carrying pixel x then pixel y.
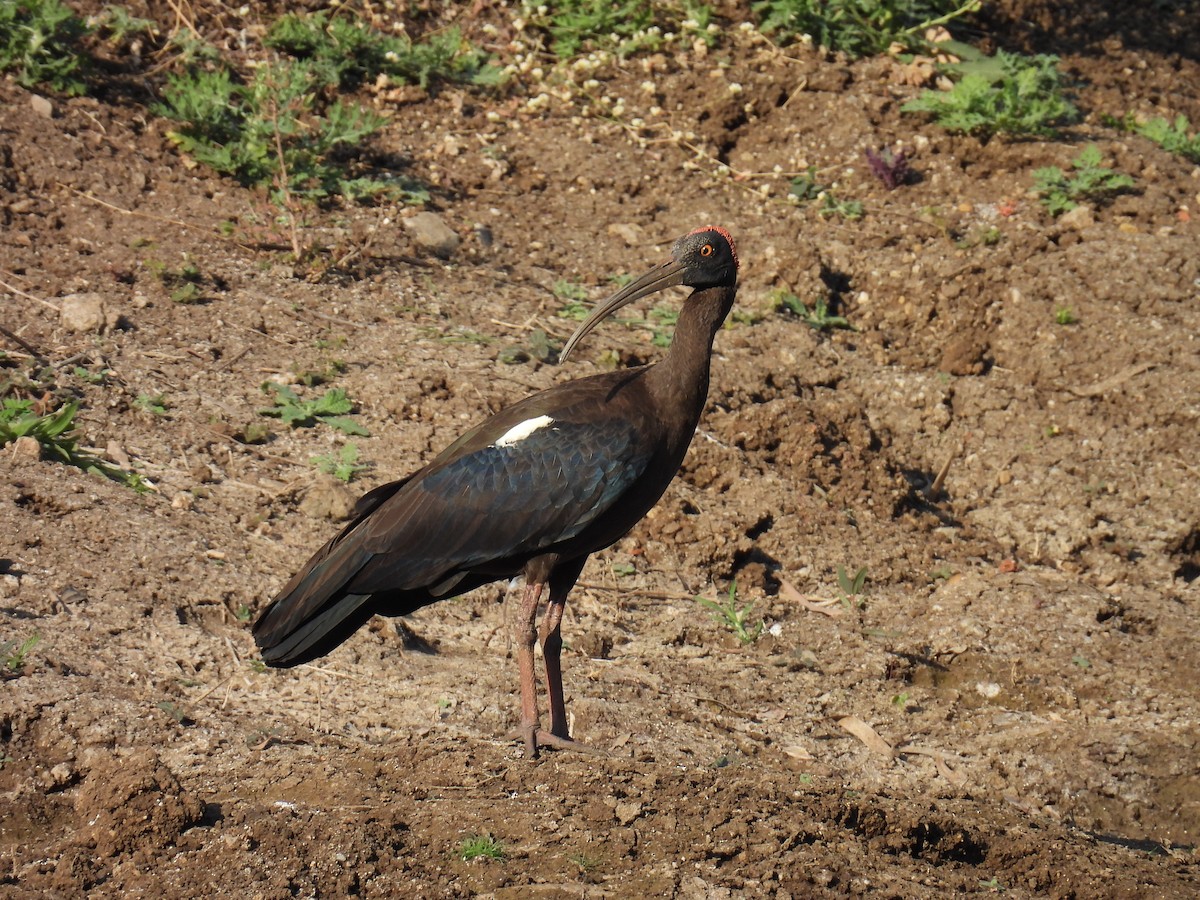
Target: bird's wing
{"type": "Point", "coordinates": [496, 502]}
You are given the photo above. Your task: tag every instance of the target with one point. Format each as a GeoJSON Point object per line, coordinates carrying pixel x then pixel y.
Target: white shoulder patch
{"type": "Point", "coordinates": [519, 432]}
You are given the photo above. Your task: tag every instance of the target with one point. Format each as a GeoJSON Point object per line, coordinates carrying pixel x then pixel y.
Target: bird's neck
{"type": "Point", "coordinates": [680, 379]}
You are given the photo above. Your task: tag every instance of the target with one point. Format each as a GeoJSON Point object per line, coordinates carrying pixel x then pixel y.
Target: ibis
{"type": "Point", "coordinates": [532, 491]}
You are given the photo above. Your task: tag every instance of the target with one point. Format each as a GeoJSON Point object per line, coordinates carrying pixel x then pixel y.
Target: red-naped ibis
{"type": "Point", "coordinates": [534, 490]}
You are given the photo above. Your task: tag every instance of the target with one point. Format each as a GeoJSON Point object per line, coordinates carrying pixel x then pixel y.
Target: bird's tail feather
{"type": "Point", "coordinates": [285, 643]}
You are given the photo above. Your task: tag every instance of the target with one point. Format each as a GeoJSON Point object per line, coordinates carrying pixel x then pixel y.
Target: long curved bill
{"type": "Point", "coordinates": [667, 275]}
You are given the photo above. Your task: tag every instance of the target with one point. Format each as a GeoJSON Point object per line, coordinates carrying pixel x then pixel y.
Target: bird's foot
{"type": "Point", "coordinates": [535, 738]}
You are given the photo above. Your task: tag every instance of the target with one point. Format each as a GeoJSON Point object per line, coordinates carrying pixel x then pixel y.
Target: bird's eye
{"type": "Point", "coordinates": [706, 250]}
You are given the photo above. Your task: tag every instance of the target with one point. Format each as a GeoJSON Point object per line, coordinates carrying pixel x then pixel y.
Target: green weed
{"type": "Point", "coordinates": [818, 318]}
{"type": "Point", "coordinates": [271, 132]}
{"type": "Point", "coordinates": [39, 41]}
{"type": "Point", "coordinates": [481, 846]}
{"type": "Point", "coordinates": [859, 27]}
{"type": "Point", "coordinates": [1088, 181]}
{"type": "Point", "coordinates": [735, 618]}
{"type": "Point", "coordinates": [1173, 137]}
{"type": "Point", "coordinates": [624, 27]}
{"type": "Point", "coordinates": [54, 432]}
{"type": "Point", "coordinates": [155, 405]}
{"type": "Point", "coordinates": [13, 655]}
{"type": "Point", "coordinates": [281, 128]}
{"type": "Point", "coordinates": [662, 319]}
{"type": "Point", "coordinates": [1065, 316]}
{"type": "Point", "coordinates": [1006, 94]}
{"type": "Point", "coordinates": [584, 862]}
{"type": "Point", "coordinates": [87, 375]}
{"type": "Point", "coordinates": [846, 209]}
{"type": "Point", "coordinates": [851, 587]}
{"type": "Point", "coordinates": [574, 297]}
{"type": "Point", "coordinates": [330, 408]}
{"type": "Point", "coordinates": [344, 51]}
{"type": "Point", "coordinates": [806, 188]}
{"type": "Point", "coordinates": [117, 25]}
{"type": "Point", "coordinates": [574, 24]}
{"type": "Point", "coordinates": [344, 466]}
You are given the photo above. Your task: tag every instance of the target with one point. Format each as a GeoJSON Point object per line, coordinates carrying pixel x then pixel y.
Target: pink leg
{"type": "Point", "coordinates": [530, 730]}
{"type": "Point", "coordinates": [526, 638]}
{"type": "Point", "coordinates": [552, 654]}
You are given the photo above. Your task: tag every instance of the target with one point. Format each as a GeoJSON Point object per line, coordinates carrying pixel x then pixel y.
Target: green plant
{"type": "Point", "coordinates": [572, 24]}
{"type": "Point", "coordinates": [54, 432]}
{"type": "Point", "coordinates": [859, 27]}
{"type": "Point", "coordinates": [85, 374]}
{"type": "Point", "coordinates": [663, 319]}
{"type": "Point", "coordinates": [1006, 94]}
{"type": "Point", "coordinates": [175, 711]}
{"type": "Point", "coordinates": [1173, 137]}
{"type": "Point", "coordinates": [584, 862]}
{"type": "Point", "coordinates": [851, 587]}
{"type": "Point", "coordinates": [341, 50]}
{"type": "Point", "coordinates": [330, 408]}
{"type": "Point", "coordinates": [982, 236]}
{"type": "Point", "coordinates": [818, 318]}
{"type": "Point", "coordinates": [900, 701]}
{"type": "Point", "coordinates": [481, 846]}
{"type": "Point", "coordinates": [243, 613]}
{"type": "Point", "coordinates": [156, 405]}
{"type": "Point", "coordinates": [271, 132]}
{"type": "Point", "coordinates": [39, 41]}
{"type": "Point", "coordinates": [1065, 316]}
{"type": "Point", "coordinates": [1089, 181]}
{"type": "Point", "coordinates": [118, 25]}
{"type": "Point", "coordinates": [735, 618]}
{"type": "Point", "coordinates": [13, 655]}
{"type": "Point", "coordinates": [344, 466]}
{"type": "Point", "coordinates": [847, 209]}
{"type": "Point", "coordinates": [806, 187]}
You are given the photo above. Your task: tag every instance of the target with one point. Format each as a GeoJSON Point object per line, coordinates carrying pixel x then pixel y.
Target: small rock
{"type": "Point", "coordinates": [115, 452]}
{"type": "Point", "coordinates": [631, 234]}
{"type": "Point", "coordinates": [965, 355]}
{"type": "Point", "coordinates": [1078, 218]}
{"type": "Point", "coordinates": [27, 448]}
{"type": "Point", "coordinates": [85, 312]}
{"type": "Point", "coordinates": [627, 811]}
{"type": "Point", "coordinates": [60, 776]}
{"type": "Point", "coordinates": [328, 498]}
{"type": "Point", "coordinates": [432, 233]}
{"type": "Point", "coordinates": [183, 500]}
{"type": "Point", "coordinates": [42, 106]}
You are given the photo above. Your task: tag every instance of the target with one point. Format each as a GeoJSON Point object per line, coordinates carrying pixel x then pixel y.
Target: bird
{"type": "Point", "coordinates": [534, 490]}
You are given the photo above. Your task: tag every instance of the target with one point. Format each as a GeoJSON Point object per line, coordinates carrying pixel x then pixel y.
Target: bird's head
{"type": "Point", "coordinates": [704, 258]}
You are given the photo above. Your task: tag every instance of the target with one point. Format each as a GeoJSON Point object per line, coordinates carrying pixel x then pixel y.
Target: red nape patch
{"type": "Point", "coordinates": [723, 233]}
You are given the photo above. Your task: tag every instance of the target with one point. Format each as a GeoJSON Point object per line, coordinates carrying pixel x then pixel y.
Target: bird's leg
{"type": "Point", "coordinates": [559, 735]}
{"type": "Point", "coordinates": [526, 638]}
{"type": "Point", "coordinates": [552, 655]}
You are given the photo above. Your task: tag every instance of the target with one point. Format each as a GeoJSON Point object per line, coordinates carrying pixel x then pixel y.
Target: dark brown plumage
{"type": "Point", "coordinates": [534, 490]}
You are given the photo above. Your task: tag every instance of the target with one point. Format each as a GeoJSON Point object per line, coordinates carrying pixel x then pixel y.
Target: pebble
{"type": "Point", "coordinates": [432, 234]}
{"type": "Point", "coordinates": [1078, 218]}
{"type": "Point", "coordinates": [328, 498]}
{"type": "Point", "coordinates": [86, 313]}
{"type": "Point", "coordinates": [42, 106]}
